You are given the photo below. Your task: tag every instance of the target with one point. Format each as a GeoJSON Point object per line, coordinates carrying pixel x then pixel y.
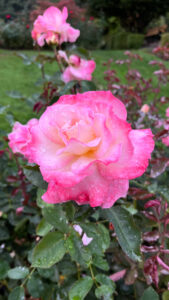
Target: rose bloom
{"type": "Point", "coordinates": [145, 108]}
{"type": "Point", "coordinates": [167, 112]}
{"type": "Point", "coordinates": [52, 28]}
{"type": "Point", "coordinates": [165, 140]}
{"type": "Point", "coordinates": [78, 68]}
{"type": "Point", "coordinates": [86, 149]}
{"type": "Point", "coordinates": [20, 138]}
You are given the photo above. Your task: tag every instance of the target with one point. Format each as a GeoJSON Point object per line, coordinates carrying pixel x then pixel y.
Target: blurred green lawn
{"type": "Point", "coordinates": [14, 75]}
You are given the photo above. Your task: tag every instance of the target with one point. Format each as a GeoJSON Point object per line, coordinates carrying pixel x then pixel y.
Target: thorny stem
{"type": "Point", "coordinates": [23, 185]}
{"type": "Point", "coordinates": [92, 274]}
{"type": "Point", "coordinates": [58, 62]}
{"type": "Point", "coordinates": [43, 71]}
{"type": "Point", "coordinates": [78, 271]}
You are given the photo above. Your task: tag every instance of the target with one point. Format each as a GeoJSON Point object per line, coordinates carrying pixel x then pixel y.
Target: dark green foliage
{"type": "Point", "coordinates": [15, 8]}
{"type": "Point", "coordinates": [91, 34]}
{"type": "Point", "coordinates": [164, 39]}
{"type": "Point", "coordinates": [121, 39]}
{"type": "Point", "coordinates": [133, 14]}
{"type": "Point", "coordinates": [15, 35]}
{"type": "Point", "coordinates": [135, 41]}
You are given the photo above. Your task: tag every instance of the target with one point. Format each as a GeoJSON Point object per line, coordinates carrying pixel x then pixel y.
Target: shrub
{"type": "Point", "coordinates": [125, 40]}
{"type": "Point", "coordinates": [134, 15]}
{"type": "Point", "coordinates": [75, 11]}
{"type": "Point", "coordinates": [164, 39]}
{"type": "Point", "coordinates": [16, 36]}
{"type": "Point", "coordinates": [135, 40]}
{"type": "Point", "coordinates": [90, 34]}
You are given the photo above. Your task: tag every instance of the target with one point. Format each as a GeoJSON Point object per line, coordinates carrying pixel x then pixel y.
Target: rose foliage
{"type": "Point", "coordinates": [84, 202]}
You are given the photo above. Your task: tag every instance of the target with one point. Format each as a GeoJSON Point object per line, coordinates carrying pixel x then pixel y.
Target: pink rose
{"type": "Point", "coordinates": [52, 27]}
{"type": "Point", "coordinates": [78, 68]}
{"type": "Point", "coordinates": [87, 151]}
{"type": "Point", "coordinates": [165, 141]}
{"type": "Point", "coordinates": [145, 108]}
{"type": "Point", "coordinates": [167, 112]}
{"type": "Point", "coordinates": [20, 138]}
{"type": "Point", "coordinates": [19, 210]}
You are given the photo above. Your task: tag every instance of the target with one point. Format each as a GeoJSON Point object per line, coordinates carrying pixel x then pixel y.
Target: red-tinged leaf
{"type": "Point", "coordinates": [151, 236]}
{"type": "Point", "coordinates": [165, 219]}
{"type": "Point", "coordinates": [150, 216]}
{"type": "Point", "coordinates": [167, 234]}
{"type": "Point", "coordinates": [161, 134]}
{"type": "Point", "coordinates": [15, 191]}
{"type": "Point", "coordinates": [111, 227]}
{"type": "Point", "coordinates": [146, 196]}
{"type": "Point", "coordinates": [162, 263]}
{"type": "Point", "coordinates": [166, 251]}
{"type": "Point", "coordinates": [2, 152]}
{"type": "Point", "coordinates": [37, 107]}
{"type": "Point", "coordinates": [153, 62]}
{"type": "Point", "coordinates": [151, 270]}
{"type": "Point", "coordinates": [150, 249]}
{"type": "Point", "coordinates": [159, 167]}
{"type": "Point", "coordinates": [152, 203]}
{"type": "Point", "coordinates": [12, 178]}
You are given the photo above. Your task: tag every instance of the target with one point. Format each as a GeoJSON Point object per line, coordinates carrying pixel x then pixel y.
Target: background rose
{"type": "Point", "coordinates": [20, 138]}
{"type": "Point", "coordinates": [53, 28]}
{"type": "Point", "coordinates": [87, 151]}
{"type": "Point", "coordinates": [78, 68]}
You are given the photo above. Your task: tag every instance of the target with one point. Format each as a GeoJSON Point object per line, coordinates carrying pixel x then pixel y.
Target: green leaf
{"type": "Point", "coordinates": [87, 86]}
{"type": "Point", "coordinates": [47, 273]}
{"type": "Point", "coordinates": [43, 227]}
{"type": "Point", "coordinates": [100, 262]}
{"type": "Point", "coordinates": [82, 52]}
{"type": "Point", "coordinates": [76, 249]}
{"type": "Point", "coordinates": [129, 237]}
{"type": "Point", "coordinates": [39, 201]}
{"type": "Point", "coordinates": [4, 267]}
{"type": "Point", "coordinates": [80, 288]}
{"type": "Point", "coordinates": [70, 210]}
{"type": "Point", "coordinates": [34, 176]}
{"type": "Point", "coordinates": [18, 273]}
{"type": "Point", "coordinates": [105, 280]}
{"type": "Point", "coordinates": [104, 292]}
{"type": "Point", "coordinates": [68, 86]}
{"type": "Point", "coordinates": [150, 293]}
{"type": "Point", "coordinates": [17, 294]}
{"type": "Point", "coordinates": [100, 235]}
{"type": "Point", "coordinates": [15, 95]}
{"type": "Point", "coordinates": [56, 217]}
{"type": "Point", "coordinates": [165, 295]}
{"type": "Point", "coordinates": [4, 234]}
{"type": "Point", "coordinates": [49, 251]}
{"type": "Point", "coordinates": [35, 286]}
{"type": "Point", "coordinates": [3, 109]}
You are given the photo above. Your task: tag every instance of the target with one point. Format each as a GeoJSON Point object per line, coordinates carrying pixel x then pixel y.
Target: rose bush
{"type": "Point", "coordinates": [87, 152]}
{"type": "Point", "coordinates": [86, 149]}
{"type": "Point", "coordinates": [53, 28]}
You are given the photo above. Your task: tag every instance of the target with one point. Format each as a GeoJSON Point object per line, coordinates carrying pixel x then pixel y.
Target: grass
{"type": "Point", "coordinates": [14, 75]}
